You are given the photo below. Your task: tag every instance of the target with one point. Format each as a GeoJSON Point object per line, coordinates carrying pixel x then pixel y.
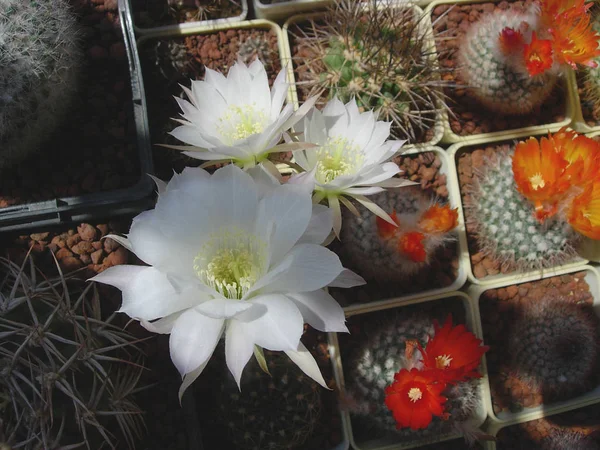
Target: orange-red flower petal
{"type": "Point", "coordinates": [538, 55]}
{"type": "Point", "coordinates": [414, 398]}
{"type": "Point", "coordinates": [454, 351]}
{"type": "Point", "coordinates": [581, 153]}
{"type": "Point", "coordinates": [550, 9]}
{"type": "Point", "coordinates": [574, 40]}
{"type": "Point", "coordinates": [385, 229]}
{"type": "Point", "coordinates": [540, 172]}
{"type": "Point", "coordinates": [438, 219]}
{"type": "Point", "coordinates": [511, 40]}
{"type": "Point", "coordinates": [411, 244]}
{"type": "Point", "coordinates": [584, 214]}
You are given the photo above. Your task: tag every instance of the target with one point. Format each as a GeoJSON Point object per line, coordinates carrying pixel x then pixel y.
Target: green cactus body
{"type": "Point", "coordinates": [554, 347]}
{"type": "Point", "coordinates": [256, 48]}
{"type": "Point", "coordinates": [375, 258]}
{"type": "Point", "coordinates": [496, 80]}
{"type": "Point", "coordinates": [504, 222]}
{"type": "Point", "coordinates": [373, 367]}
{"type": "Point", "coordinates": [271, 412]}
{"type": "Point", "coordinates": [39, 61]}
{"type": "Point", "coordinates": [67, 374]}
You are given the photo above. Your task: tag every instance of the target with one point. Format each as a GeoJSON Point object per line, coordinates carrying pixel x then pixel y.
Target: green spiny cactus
{"type": "Point", "coordinates": [505, 226]}
{"type": "Point", "coordinates": [67, 374]}
{"type": "Point", "coordinates": [271, 412]}
{"type": "Point", "coordinates": [374, 364]}
{"type": "Point", "coordinates": [39, 61]}
{"type": "Point", "coordinates": [379, 259]}
{"type": "Point", "coordinates": [501, 82]}
{"type": "Point", "coordinates": [377, 54]}
{"type": "Point", "coordinates": [555, 347]}
{"type": "Point", "coordinates": [256, 48]}
{"type": "Point", "coordinates": [566, 439]}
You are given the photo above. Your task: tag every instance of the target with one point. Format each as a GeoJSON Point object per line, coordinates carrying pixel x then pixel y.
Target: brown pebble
{"type": "Point", "coordinates": [87, 232]}
{"type": "Point", "coordinates": [479, 271]}
{"type": "Point", "coordinates": [110, 245]}
{"type": "Point", "coordinates": [71, 263]}
{"type": "Point", "coordinates": [85, 258]}
{"type": "Point", "coordinates": [82, 248]}
{"type": "Point", "coordinates": [103, 229]}
{"type": "Point", "coordinates": [119, 256]}
{"type": "Point", "coordinates": [73, 240]}
{"type": "Point", "coordinates": [512, 291]}
{"type": "Point", "coordinates": [97, 256]}
{"type": "Point", "coordinates": [63, 253]}
{"type": "Point", "coordinates": [97, 245]}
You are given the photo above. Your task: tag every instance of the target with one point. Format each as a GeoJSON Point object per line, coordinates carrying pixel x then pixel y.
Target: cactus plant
{"type": "Point", "coordinates": [504, 224]}
{"type": "Point", "coordinates": [500, 83]}
{"type": "Point", "coordinates": [379, 358]}
{"type": "Point", "coordinates": [40, 58]}
{"type": "Point", "coordinates": [377, 54]}
{"type": "Point", "coordinates": [565, 439]}
{"type": "Point", "coordinates": [380, 257]}
{"type": "Point", "coordinates": [67, 374]}
{"type": "Point", "coordinates": [554, 347]}
{"type": "Point", "coordinates": [591, 75]}
{"type": "Point", "coordinates": [275, 411]}
{"type": "Point", "coordinates": [256, 47]}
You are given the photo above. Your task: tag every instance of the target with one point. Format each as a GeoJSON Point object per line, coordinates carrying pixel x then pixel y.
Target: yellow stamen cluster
{"type": "Point", "coordinates": [537, 181]}
{"type": "Point", "coordinates": [337, 157]}
{"type": "Point", "coordinates": [415, 394]}
{"type": "Point", "coordinates": [240, 122]}
{"type": "Point", "coordinates": [443, 361]}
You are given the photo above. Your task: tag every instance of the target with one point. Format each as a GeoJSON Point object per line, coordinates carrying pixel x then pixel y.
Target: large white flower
{"type": "Point", "coordinates": [350, 156]}
{"type": "Point", "coordinates": [232, 253]}
{"type": "Point", "coordinates": [236, 118]}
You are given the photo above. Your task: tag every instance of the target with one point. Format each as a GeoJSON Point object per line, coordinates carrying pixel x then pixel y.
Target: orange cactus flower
{"type": "Point", "coordinates": [411, 244]}
{"type": "Point", "coordinates": [540, 174]}
{"type": "Point", "coordinates": [454, 351]}
{"type": "Point", "coordinates": [511, 40]}
{"type": "Point", "coordinates": [538, 55]}
{"type": "Point", "coordinates": [574, 41]}
{"type": "Point", "coordinates": [414, 398]}
{"type": "Point", "coordinates": [385, 229]}
{"type": "Point", "coordinates": [551, 9]}
{"type": "Point", "coordinates": [581, 153]}
{"type": "Point", "coordinates": [584, 214]}
{"type": "Point", "coordinates": [438, 219]}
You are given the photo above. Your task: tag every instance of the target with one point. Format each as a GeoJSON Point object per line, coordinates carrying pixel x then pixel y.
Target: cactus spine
{"type": "Point", "coordinates": [504, 222]}
{"type": "Point", "coordinates": [501, 82]}
{"type": "Point", "coordinates": [39, 56]}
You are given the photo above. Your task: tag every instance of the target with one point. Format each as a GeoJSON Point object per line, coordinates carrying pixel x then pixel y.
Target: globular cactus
{"type": "Point", "coordinates": [271, 412]}
{"type": "Point", "coordinates": [256, 48]}
{"type": "Point", "coordinates": [591, 75]}
{"type": "Point", "coordinates": [504, 224]}
{"type": "Point", "coordinates": [372, 368]}
{"type": "Point", "coordinates": [500, 81]}
{"type": "Point", "coordinates": [565, 439]}
{"type": "Point", "coordinates": [40, 58]}
{"type": "Point", "coordinates": [554, 346]}
{"type": "Point", "coordinates": [67, 374]}
{"type": "Point", "coordinates": [408, 249]}
{"type": "Point", "coordinates": [379, 55]}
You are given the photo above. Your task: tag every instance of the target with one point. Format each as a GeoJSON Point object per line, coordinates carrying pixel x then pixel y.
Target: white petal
{"type": "Point", "coordinates": [190, 135]}
{"type": "Point", "coordinates": [147, 294]}
{"type": "Point", "coordinates": [278, 94]}
{"type": "Point", "coordinates": [264, 180]}
{"type": "Point", "coordinates": [238, 349]}
{"type": "Point", "coordinates": [223, 308]}
{"type": "Point", "coordinates": [319, 227]}
{"type": "Point", "coordinates": [347, 279]}
{"type": "Point", "coordinates": [364, 190]}
{"type": "Point", "coordinates": [193, 340]}
{"type": "Point", "coordinates": [161, 326]}
{"type": "Point", "coordinates": [279, 328]}
{"type": "Point", "coordinates": [378, 173]}
{"type": "Point", "coordinates": [189, 378]}
{"type": "Point", "coordinates": [208, 98]}
{"type": "Point", "coordinates": [307, 267]}
{"type": "Point", "coordinates": [306, 362]}
{"type": "Point", "coordinates": [320, 311]}
{"type": "Point", "coordinates": [235, 196]}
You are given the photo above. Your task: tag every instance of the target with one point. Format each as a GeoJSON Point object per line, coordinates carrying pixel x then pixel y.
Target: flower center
{"type": "Point", "coordinates": [240, 122]}
{"type": "Point", "coordinates": [443, 361]}
{"type": "Point", "coordinates": [231, 262]}
{"type": "Point", "coordinates": [337, 157]}
{"type": "Point", "coordinates": [415, 394]}
{"type": "Point", "coordinates": [537, 182]}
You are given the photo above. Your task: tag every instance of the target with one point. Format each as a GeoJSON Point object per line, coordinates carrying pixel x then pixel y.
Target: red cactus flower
{"type": "Point", "coordinates": [574, 41]}
{"type": "Point", "coordinates": [411, 244]}
{"type": "Point", "coordinates": [438, 219]}
{"type": "Point", "coordinates": [538, 55]}
{"type": "Point", "coordinates": [414, 398]}
{"type": "Point", "coordinates": [385, 229]}
{"type": "Point", "coordinates": [584, 214]}
{"type": "Point", "coordinates": [454, 351]}
{"type": "Point", "coordinates": [511, 41]}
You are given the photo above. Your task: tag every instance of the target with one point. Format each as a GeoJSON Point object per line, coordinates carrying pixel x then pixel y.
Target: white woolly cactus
{"type": "Point", "coordinates": [498, 81]}
{"type": "Point", "coordinates": [505, 226]}
{"type": "Point", "coordinates": [39, 60]}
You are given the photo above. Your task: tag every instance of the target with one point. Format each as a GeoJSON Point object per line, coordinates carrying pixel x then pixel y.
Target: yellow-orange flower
{"type": "Point", "coordinates": [538, 55]}
{"type": "Point", "coordinates": [438, 219]}
{"type": "Point", "coordinates": [540, 174]}
{"type": "Point", "coordinates": [550, 9]}
{"type": "Point", "coordinates": [411, 244]}
{"type": "Point", "coordinates": [574, 41]}
{"type": "Point", "coordinates": [584, 214]}
{"type": "Point", "coordinates": [581, 153]}
{"type": "Point", "coordinates": [385, 229]}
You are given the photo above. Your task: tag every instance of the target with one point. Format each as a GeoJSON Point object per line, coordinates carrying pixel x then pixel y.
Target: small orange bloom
{"type": "Point", "coordinates": [511, 40]}
{"type": "Point", "coordinates": [411, 244]}
{"type": "Point", "coordinates": [574, 41]}
{"type": "Point", "coordinates": [438, 219]}
{"type": "Point", "coordinates": [550, 9]}
{"type": "Point", "coordinates": [454, 351]}
{"type": "Point", "coordinates": [540, 173]}
{"type": "Point", "coordinates": [385, 229]}
{"type": "Point", "coordinates": [538, 55]}
{"type": "Point", "coordinates": [581, 153]}
{"type": "Point", "coordinates": [584, 214]}
{"type": "Point", "coordinates": [414, 398]}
